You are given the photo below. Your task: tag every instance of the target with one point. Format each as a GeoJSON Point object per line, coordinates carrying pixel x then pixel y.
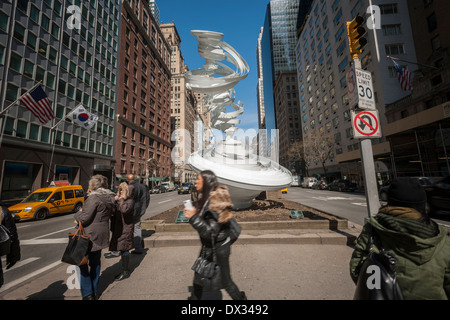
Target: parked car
{"type": "Point", "coordinates": [185, 188]}
{"type": "Point", "coordinates": [48, 201]}
{"type": "Point", "coordinates": [438, 196]}
{"type": "Point", "coordinates": [319, 185]}
{"type": "Point", "coordinates": [159, 189]}
{"type": "Point", "coordinates": [424, 181]}
{"type": "Point", "coordinates": [342, 185]}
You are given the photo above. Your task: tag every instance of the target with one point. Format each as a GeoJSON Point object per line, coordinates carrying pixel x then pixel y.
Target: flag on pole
{"type": "Point", "coordinates": [84, 118]}
{"type": "Point", "coordinates": [404, 77]}
{"type": "Point", "coordinates": [38, 103]}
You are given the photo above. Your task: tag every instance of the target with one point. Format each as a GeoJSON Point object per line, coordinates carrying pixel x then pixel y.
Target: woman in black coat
{"type": "Point", "coordinates": [123, 228]}
{"type": "Point", "coordinates": [211, 217]}
{"type": "Point", "coordinates": [7, 220]}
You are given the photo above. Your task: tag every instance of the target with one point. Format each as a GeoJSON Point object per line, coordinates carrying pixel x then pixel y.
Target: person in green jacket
{"type": "Point", "coordinates": [422, 247]}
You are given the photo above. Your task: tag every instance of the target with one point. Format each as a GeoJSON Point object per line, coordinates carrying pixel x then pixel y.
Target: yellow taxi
{"type": "Point", "coordinates": [48, 201]}
{"type": "Point", "coordinates": [284, 190]}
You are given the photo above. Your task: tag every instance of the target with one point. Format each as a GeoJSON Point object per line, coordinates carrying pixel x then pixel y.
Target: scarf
{"type": "Point", "coordinates": [407, 220]}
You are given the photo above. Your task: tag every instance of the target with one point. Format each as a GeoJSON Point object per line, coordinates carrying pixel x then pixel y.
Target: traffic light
{"type": "Point", "coordinates": [356, 35]}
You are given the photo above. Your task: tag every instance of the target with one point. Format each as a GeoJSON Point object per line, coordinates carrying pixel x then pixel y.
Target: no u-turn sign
{"type": "Point", "coordinates": [366, 124]}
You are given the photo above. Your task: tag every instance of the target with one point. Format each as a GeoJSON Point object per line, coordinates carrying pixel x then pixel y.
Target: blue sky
{"type": "Point", "coordinates": [239, 21]}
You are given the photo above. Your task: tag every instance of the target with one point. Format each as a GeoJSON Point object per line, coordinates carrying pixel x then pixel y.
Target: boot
{"type": "Point", "coordinates": [125, 268]}
{"type": "Point", "coordinates": [90, 297]}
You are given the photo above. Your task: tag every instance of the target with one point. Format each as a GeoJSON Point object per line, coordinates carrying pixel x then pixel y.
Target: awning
{"type": "Point", "coordinates": [158, 179]}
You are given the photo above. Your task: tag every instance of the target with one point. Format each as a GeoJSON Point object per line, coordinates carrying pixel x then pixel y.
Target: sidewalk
{"type": "Point", "coordinates": [291, 265]}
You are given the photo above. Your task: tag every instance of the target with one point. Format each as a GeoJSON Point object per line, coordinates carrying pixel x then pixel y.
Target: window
{"type": "Point", "coordinates": [39, 74]}
{"type": "Point", "coordinates": [16, 62]}
{"type": "Point", "coordinates": [28, 68]}
{"type": "Point", "coordinates": [50, 80]}
{"type": "Point", "coordinates": [21, 131]}
{"type": "Point", "coordinates": [68, 194]}
{"type": "Point", "coordinates": [388, 8]}
{"type": "Point", "coordinates": [34, 14]}
{"type": "Point", "coordinates": [52, 55]}
{"type": "Point", "coordinates": [19, 32]}
{"type": "Point", "coordinates": [42, 47]}
{"type": "Point", "coordinates": [31, 40]}
{"type": "Point", "coordinates": [4, 19]}
{"type": "Point", "coordinates": [55, 30]}
{"type": "Point", "coordinates": [392, 30]}
{"type": "Point", "coordinates": [394, 49]}
{"type": "Point", "coordinates": [45, 22]}
{"type": "Point", "coordinates": [34, 132]}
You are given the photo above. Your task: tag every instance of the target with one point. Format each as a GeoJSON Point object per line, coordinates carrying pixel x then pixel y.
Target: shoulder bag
{"type": "Point", "coordinates": [382, 265]}
{"type": "Point", "coordinates": [5, 238]}
{"type": "Point", "coordinates": [78, 248]}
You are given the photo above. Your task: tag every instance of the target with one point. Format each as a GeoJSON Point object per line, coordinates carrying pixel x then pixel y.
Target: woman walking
{"type": "Point", "coordinates": [123, 228]}
{"type": "Point", "coordinates": [211, 218]}
{"type": "Point", "coordinates": [94, 217]}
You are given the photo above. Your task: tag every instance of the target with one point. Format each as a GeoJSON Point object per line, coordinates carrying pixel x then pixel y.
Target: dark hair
{"type": "Point", "coordinates": [209, 184]}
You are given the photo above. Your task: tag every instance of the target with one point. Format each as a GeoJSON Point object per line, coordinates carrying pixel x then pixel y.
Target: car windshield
{"type": "Point", "coordinates": [37, 197]}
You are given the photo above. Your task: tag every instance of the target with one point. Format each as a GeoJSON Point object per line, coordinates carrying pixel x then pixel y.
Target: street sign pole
{"type": "Point", "coordinates": [368, 166]}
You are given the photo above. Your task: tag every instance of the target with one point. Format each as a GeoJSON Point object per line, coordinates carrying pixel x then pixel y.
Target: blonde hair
{"type": "Point", "coordinates": [126, 191]}
{"type": "Point", "coordinates": [220, 201]}
{"type": "Point", "coordinates": [96, 182]}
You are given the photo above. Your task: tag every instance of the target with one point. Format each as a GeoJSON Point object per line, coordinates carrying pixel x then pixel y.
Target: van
{"type": "Point", "coordinates": [168, 185]}
{"type": "Point", "coordinates": [49, 201]}
{"type": "Point", "coordinates": [308, 182]}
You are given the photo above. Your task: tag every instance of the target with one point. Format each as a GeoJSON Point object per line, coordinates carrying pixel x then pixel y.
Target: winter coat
{"type": "Point", "coordinates": [123, 226]}
{"type": "Point", "coordinates": [206, 225]}
{"type": "Point", "coordinates": [14, 254]}
{"type": "Point", "coordinates": [422, 250]}
{"type": "Point", "coordinates": [95, 215]}
{"type": "Point", "coordinates": [141, 199]}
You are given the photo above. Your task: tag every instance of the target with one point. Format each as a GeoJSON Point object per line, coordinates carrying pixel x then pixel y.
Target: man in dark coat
{"type": "Point", "coordinates": [141, 202]}
{"type": "Point", "coordinates": [14, 253]}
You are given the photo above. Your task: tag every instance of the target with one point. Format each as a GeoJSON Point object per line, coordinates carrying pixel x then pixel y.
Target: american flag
{"type": "Point", "coordinates": [404, 77]}
{"type": "Point", "coordinates": [38, 103]}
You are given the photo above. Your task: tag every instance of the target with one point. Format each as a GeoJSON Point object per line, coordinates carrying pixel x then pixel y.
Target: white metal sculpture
{"type": "Point", "coordinates": [246, 174]}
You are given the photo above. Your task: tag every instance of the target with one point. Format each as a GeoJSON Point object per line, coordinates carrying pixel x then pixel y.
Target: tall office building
{"type": "Point", "coordinates": [76, 65]}
{"type": "Point", "coordinates": [182, 105]}
{"type": "Point", "coordinates": [278, 44]}
{"type": "Point", "coordinates": [323, 64]}
{"type": "Point", "coordinates": [143, 127]}
{"type": "Point", "coordinates": [155, 11]}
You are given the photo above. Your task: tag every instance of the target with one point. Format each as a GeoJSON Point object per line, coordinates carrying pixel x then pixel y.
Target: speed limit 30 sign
{"type": "Point", "coordinates": [366, 99]}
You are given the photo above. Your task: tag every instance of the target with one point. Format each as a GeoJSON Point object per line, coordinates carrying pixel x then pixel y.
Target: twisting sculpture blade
{"type": "Point", "coordinates": [217, 79]}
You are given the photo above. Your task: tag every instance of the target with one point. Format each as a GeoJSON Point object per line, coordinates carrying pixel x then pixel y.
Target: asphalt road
{"type": "Point", "coordinates": [348, 205]}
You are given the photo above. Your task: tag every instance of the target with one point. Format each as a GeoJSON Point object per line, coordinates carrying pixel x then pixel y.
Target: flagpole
{"type": "Point", "coordinates": [53, 138]}
{"type": "Point", "coordinates": [419, 64]}
{"type": "Point", "coordinates": [3, 119]}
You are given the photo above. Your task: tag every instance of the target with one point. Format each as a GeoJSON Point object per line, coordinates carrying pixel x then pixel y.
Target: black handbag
{"type": "Point", "coordinates": [382, 264]}
{"type": "Point", "coordinates": [207, 272]}
{"type": "Point", "coordinates": [78, 248]}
